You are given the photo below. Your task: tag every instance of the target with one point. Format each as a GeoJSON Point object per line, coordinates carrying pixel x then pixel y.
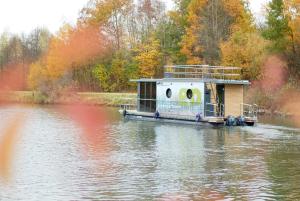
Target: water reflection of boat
{"type": "Point", "coordinates": [193, 94]}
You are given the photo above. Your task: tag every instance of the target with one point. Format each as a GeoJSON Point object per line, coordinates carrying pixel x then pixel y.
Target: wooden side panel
{"type": "Point", "coordinates": [234, 96]}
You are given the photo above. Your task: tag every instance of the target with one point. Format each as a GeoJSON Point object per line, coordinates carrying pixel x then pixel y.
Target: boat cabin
{"type": "Point", "coordinates": [200, 93]}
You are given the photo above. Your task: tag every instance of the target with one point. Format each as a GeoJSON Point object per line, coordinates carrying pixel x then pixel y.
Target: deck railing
{"type": "Point", "coordinates": [128, 107]}
{"type": "Point", "coordinates": [203, 72]}
{"type": "Point", "coordinates": [248, 110]}
{"type": "Point", "coordinates": [216, 110]}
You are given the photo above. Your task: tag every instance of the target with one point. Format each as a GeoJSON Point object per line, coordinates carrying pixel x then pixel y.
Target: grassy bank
{"type": "Point", "coordinates": [109, 99]}
{"type": "Point", "coordinates": [31, 97]}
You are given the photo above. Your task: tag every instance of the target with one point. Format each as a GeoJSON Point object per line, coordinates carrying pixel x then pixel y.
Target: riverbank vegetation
{"type": "Point", "coordinates": [91, 98]}
{"type": "Point", "coordinates": [114, 41]}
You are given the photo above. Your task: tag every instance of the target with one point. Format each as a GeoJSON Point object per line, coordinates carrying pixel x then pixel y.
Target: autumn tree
{"type": "Point", "coordinates": [191, 46]}
{"type": "Point", "coordinates": [244, 47]}
{"type": "Point", "coordinates": [37, 75]}
{"type": "Point", "coordinates": [128, 25]}
{"type": "Point", "coordinates": [150, 12]}
{"type": "Point", "coordinates": [293, 51]}
{"type": "Point", "coordinates": [246, 50]}
{"type": "Point", "coordinates": [102, 74]}
{"type": "Point", "coordinates": [110, 15]}
{"type": "Point", "coordinates": [149, 58]}
{"type": "Point", "coordinates": [209, 24]}
{"type": "Point", "coordinates": [73, 48]}
{"type": "Point", "coordinates": [17, 51]}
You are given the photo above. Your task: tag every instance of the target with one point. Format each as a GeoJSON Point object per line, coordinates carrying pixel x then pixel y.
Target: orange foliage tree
{"type": "Point", "coordinates": [70, 49]}
{"type": "Point", "coordinates": [191, 46]}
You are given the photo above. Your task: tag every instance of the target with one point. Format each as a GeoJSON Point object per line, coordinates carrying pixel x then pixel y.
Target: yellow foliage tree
{"type": "Point", "coordinates": [36, 74]}
{"type": "Point", "coordinates": [242, 18]}
{"type": "Point", "coordinates": [149, 58]}
{"type": "Point", "coordinates": [292, 11]}
{"type": "Point", "coordinates": [246, 50]}
{"type": "Point", "coordinates": [117, 74]}
{"type": "Point", "coordinates": [245, 47]}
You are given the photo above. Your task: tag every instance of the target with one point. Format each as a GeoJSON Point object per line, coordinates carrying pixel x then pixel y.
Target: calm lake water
{"type": "Point", "coordinates": [132, 160]}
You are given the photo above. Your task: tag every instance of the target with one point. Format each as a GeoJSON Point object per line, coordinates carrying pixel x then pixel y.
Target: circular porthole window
{"type": "Point", "coordinates": [189, 94]}
{"type": "Point", "coordinates": [169, 93]}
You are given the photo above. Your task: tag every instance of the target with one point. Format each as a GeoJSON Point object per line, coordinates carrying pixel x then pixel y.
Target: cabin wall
{"type": "Point", "coordinates": [178, 102]}
{"type": "Point", "coordinates": [234, 97]}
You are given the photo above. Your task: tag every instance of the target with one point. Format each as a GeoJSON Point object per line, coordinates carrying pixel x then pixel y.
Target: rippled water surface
{"type": "Point", "coordinates": [132, 160]}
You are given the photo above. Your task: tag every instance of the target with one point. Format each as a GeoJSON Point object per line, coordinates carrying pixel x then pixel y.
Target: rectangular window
{"type": "Point", "coordinates": [147, 97]}
{"type": "Point", "coordinates": [142, 90]}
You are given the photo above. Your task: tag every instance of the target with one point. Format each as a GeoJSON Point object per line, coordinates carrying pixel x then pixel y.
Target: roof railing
{"type": "Point", "coordinates": [203, 72]}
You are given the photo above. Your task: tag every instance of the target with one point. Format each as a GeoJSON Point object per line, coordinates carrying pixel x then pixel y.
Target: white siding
{"type": "Point", "coordinates": [179, 103]}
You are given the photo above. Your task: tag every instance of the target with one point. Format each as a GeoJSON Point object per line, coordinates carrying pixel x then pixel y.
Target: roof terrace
{"type": "Point", "coordinates": [203, 72]}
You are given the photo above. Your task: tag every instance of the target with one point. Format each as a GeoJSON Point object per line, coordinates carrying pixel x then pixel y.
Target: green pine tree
{"type": "Point", "coordinates": [276, 26]}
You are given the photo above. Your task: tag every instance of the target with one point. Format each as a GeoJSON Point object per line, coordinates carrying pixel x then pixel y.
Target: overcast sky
{"type": "Point", "coordinates": [24, 15]}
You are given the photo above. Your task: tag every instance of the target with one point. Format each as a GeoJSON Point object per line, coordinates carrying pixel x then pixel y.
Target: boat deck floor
{"type": "Point", "coordinates": [191, 119]}
{"type": "Point", "coordinates": [178, 117]}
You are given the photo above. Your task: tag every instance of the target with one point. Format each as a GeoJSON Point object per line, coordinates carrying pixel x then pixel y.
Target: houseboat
{"type": "Point", "coordinates": [193, 94]}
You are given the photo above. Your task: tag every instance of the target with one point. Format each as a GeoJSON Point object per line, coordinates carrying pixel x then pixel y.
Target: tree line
{"type": "Point", "coordinates": [114, 41]}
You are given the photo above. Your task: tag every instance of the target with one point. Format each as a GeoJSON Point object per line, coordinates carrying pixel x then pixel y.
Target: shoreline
{"type": "Point", "coordinates": [89, 98]}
